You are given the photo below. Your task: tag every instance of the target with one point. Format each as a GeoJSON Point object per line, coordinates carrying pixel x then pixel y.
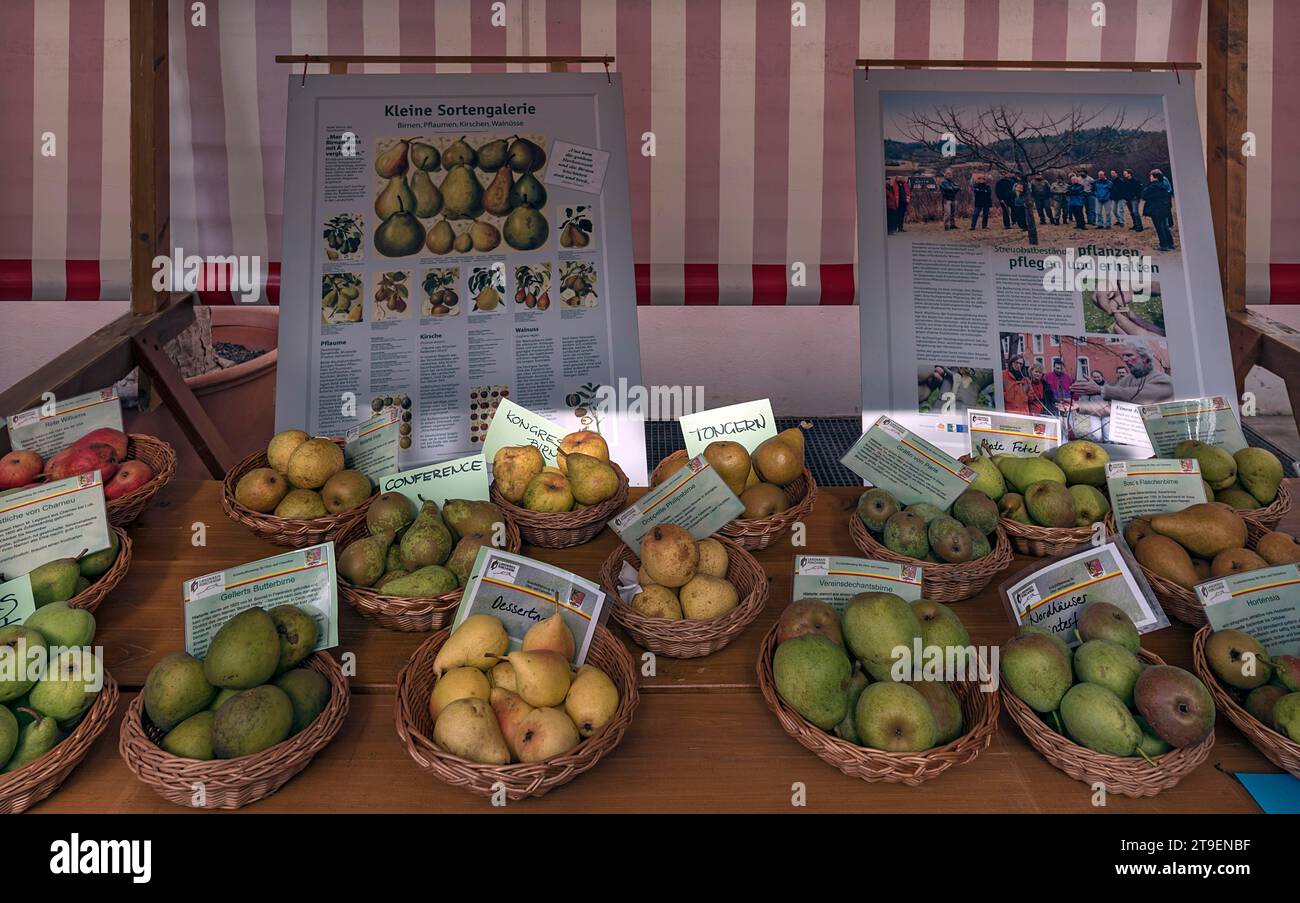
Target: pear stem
{"type": "Point", "coordinates": [1143, 753]}
{"type": "Point", "coordinates": [29, 711]}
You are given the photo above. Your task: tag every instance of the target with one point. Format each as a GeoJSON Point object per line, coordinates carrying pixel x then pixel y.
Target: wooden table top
{"type": "Point", "coordinates": [702, 740]}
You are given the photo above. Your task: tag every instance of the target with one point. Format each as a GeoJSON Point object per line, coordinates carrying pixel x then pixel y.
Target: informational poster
{"type": "Point", "coordinates": [1040, 244]}
{"type": "Point", "coordinates": [454, 241]}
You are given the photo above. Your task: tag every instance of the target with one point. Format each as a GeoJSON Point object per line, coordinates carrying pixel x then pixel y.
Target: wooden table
{"type": "Point", "coordinates": [702, 741]}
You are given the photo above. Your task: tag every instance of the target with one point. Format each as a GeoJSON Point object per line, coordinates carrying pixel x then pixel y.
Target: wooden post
{"type": "Point", "coordinates": [150, 150]}
{"type": "Point", "coordinates": [1225, 122]}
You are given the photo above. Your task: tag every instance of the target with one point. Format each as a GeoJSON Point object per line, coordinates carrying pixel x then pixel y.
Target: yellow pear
{"type": "Point", "coordinates": [731, 461]}
{"type": "Point", "coordinates": [545, 733]}
{"type": "Point", "coordinates": [513, 467]}
{"type": "Point", "coordinates": [503, 675]}
{"type": "Point", "coordinates": [713, 558]}
{"type": "Point", "coordinates": [478, 642]}
{"type": "Point", "coordinates": [468, 728]}
{"type": "Point", "coordinates": [542, 676]}
{"type": "Point", "coordinates": [281, 446]}
{"type": "Point", "coordinates": [655, 601]}
{"type": "Point", "coordinates": [779, 460]}
{"type": "Point", "coordinates": [585, 442]}
{"type": "Point", "coordinates": [458, 683]}
{"type": "Point", "coordinates": [670, 555]}
{"type": "Point", "coordinates": [705, 598]}
{"type": "Point", "coordinates": [552, 634]}
{"type": "Point", "coordinates": [592, 700]}
{"type": "Point", "coordinates": [592, 479]}
{"type": "Point", "coordinates": [510, 709]}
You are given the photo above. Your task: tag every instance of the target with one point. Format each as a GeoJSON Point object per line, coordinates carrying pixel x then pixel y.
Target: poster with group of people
{"type": "Point", "coordinates": [1046, 248]}
{"type": "Point", "coordinates": [453, 242]}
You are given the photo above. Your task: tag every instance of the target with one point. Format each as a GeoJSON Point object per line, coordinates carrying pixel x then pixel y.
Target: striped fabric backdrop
{"type": "Point", "coordinates": [752, 119]}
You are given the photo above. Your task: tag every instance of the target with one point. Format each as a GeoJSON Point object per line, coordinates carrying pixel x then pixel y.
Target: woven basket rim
{"type": "Point", "coordinates": [688, 630]}
{"type": "Point", "coordinates": [53, 768]}
{"type": "Point", "coordinates": [871, 764]}
{"type": "Point", "coordinates": [325, 523]}
{"type": "Point", "coordinates": [565, 520]}
{"type": "Point", "coordinates": [1126, 771]}
{"type": "Point", "coordinates": [758, 524]}
{"type": "Point", "coordinates": [521, 779]}
{"type": "Point", "coordinates": [1268, 516]}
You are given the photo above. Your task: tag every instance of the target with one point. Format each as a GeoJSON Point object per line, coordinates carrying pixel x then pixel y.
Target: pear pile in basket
{"type": "Point", "coordinates": [495, 707]}
{"type": "Point", "coordinates": [1063, 491]}
{"type": "Point", "coordinates": [61, 579]}
{"type": "Point", "coordinates": [246, 695]}
{"type": "Point", "coordinates": [924, 532]}
{"type": "Point", "coordinates": [306, 477]}
{"type": "Point", "coordinates": [759, 478]}
{"type": "Point", "coordinates": [39, 710]}
{"type": "Point", "coordinates": [418, 554]}
{"type": "Point", "coordinates": [1247, 480]}
{"type": "Point", "coordinates": [582, 475]}
{"type": "Point", "coordinates": [1101, 695]}
{"type": "Point", "coordinates": [1271, 685]}
{"type": "Point", "coordinates": [682, 578]}
{"type": "Point", "coordinates": [1202, 542]}
{"type": "Point", "coordinates": [839, 671]}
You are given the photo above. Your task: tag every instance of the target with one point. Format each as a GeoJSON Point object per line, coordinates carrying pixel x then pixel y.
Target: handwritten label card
{"type": "Point", "coordinates": [998, 433]}
{"type": "Point", "coordinates": [748, 423]}
{"type": "Point", "coordinates": [46, 431]}
{"type": "Point", "coordinates": [835, 579]}
{"type": "Point", "coordinates": [53, 520]}
{"type": "Point", "coordinates": [1153, 486]}
{"type": "Point", "coordinates": [893, 458]}
{"type": "Point", "coordinates": [1210, 419]}
{"type": "Point", "coordinates": [303, 577]}
{"type": "Point", "coordinates": [516, 425]}
{"type": "Point", "coordinates": [462, 478]}
{"type": "Point", "coordinates": [16, 601]}
{"type": "Point", "coordinates": [694, 498]}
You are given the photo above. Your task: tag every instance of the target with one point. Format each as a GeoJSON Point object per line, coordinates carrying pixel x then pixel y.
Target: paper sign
{"type": "Point", "coordinates": [303, 577]}
{"type": "Point", "coordinates": [16, 602]}
{"type": "Point", "coordinates": [574, 166]}
{"type": "Point", "coordinates": [893, 458]}
{"type": "Point", "coordinates": [1263, 603]}
{"type": "Point", "coordinates": [694, 498]}
{"type": "Point", "coordinates": [46, 432]}
{"type": "Point", "coordinates": [748, 423]}
{"type": "Point", "coordinates": [835, 579]}
{"type": "Point", "coordinates": [1153, 486]}
{"type": "Point", "coordinates": [1128, 431]}
{"type": "Point", "coordinates": [372, 446]}
{"type": "Point", "coordinates": [998, 433]}
{"type": "Point", "coordinates": [515, 425]}
{"type": "Point", "coordinates": [1211, 420]}
{"type": "Point", "coordinates": [463, 478]}
{"type": "Point", "coordinates": [1051, 594]}
{"type": "Point", "coordinates": [522, 592]}
{"type": "Point", "coordinates": [53, 520]}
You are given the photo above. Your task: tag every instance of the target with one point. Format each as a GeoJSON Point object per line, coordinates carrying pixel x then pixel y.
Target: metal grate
{"type": "Point", "coordinates": [827, 440]}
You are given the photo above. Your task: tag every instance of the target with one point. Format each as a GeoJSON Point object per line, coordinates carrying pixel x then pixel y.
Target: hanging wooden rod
{"type": "Point", "coordinates": [410, 58]}
{"type": "Point", "coordinates": [1136, 65]}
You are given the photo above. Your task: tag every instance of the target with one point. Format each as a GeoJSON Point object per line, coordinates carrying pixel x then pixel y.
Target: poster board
{"type": "Point", "coordinates": [949, 309]}
{"type": "Point", "coordinates": [457, 341]}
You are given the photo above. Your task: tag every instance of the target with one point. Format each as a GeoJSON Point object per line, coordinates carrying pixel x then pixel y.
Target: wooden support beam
{"type": "Point", "coordinates": [346, 58]}
{"type": "Point", "coordinates": [1144, 66]}
{"type": "Point", "coordinates": [1225, 122]}
{"type": "Point", "coordinates": [150, 149]}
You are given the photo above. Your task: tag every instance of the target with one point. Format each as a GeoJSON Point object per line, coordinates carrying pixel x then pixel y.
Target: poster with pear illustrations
{"type": "Point", "coordinates": [457, 232]}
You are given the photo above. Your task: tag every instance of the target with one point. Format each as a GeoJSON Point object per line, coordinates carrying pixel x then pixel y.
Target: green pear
{"type": "Point", "coordinates": [298, 632]}
{"type": "Point", "coordinates": [1082, 462]}
{"type": "Point", "coordinates": [309, 692]}
{"type": "Point", "coordinates": [22, 656]}
{"type": "Point", "coordinates": [989, 479]}
{"type": "Point", "coordinates": [975, 509]}
{"type": "Point", "coordinates": [222, 697]}
{"type": "Point", "coordinates": [253, 721]}
{"type": "Point", "coordinates": [69, 687]}
{"type": "Point", "coordinates": [1098, 719]}
{"type": "Point", "coordinates": [96, 564]}
{"type": "Point", "coordinates": [1106, 621]}
{"type": "Point", "coordinates": [35, 739]}
{"type": "Point", "coordinates": [175, 689]}
{"type": "Point", "coordinates": [876, 507]}
{"type": "Point", "coordinates": [527, 189]}
{"type": "Point", "coordinates": [1109, 665]}
{"type": "Point", "coordinates": [895, 717]}
{"type": "Point", "coordinates": [427, 540]}
{"type": "Point", "coordinates": [8, 735]}
{"type": "Point", "coordinates": [54, 581]}
{"type": "Point", "coordinates": [395, 198]}
{"type": "Point", "coordinates": [62, 625]}
{"type": "Point", "coordinates": [1021, 473]}
{"type": "Point", "coordinates": [492, 156]}
{"type": "Point", "coordinates": [462, 558]}
{"type": "Point", "coordinates": [1036, 670]}
{"type": "Point", "coordinates": [389, 513]}
{"type": "Point", "coordinates": [426, 198]}
{"type": "Point", "coordinates": [525, 229]}
{"type": "Point", "coordinates": [422, 583]}
{"type": "Point", "coordinates": [471, 518]}
{"type": "Point", "coordinates": [459, 153]}
{"type": "Point", "coordinates": [440, 238]}
{"type": "Point", "coordinates": [874, 625]}
{"type": "Point", "coordinates": [1090, 506]}
{"type": "Point", "coordinates": [192, 738]}
{"type": "Point", "coordinates": [401, 234]}
{"type": "Point", "coordinates": [1217, 466]}
{"type": "Point", "coordinates": [591, 479]}
{"type": "Point", "coordinates": [462, 195]}
{"type": "Point", "coordinates": [848, 728]}
{"type": "Point", "coordinates": [812, 675]}
{"type": "Point", "coordinates": [1260, 472]}
{"type": "Point", "coordinates": [425, 156]}
{"type": "Point", "coordinates": [1050, 504]}
{"type": "Point", "coordinates": [363, 561]}
{"type": "Point", "coordinates": [945, 706]}
{"type": "Point", "coordinates": [525, 155]}
{"type": "Point", "coordinates": [245, 652]}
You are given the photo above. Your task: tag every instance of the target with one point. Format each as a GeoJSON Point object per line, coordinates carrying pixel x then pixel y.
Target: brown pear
{"type": "Point", "coordinates": [1204, 530]}
{"type": "Point", "coordinates": [1278, 548]}
{"type": "Point", "coordinates": [779, 460]}
{"type": "Point", "coordinates": [496, 200]}
{"type": "Point", "coordinates": [1162, 556]}
{"type": "Point", "coordinates": [1235, 561]}
{"type": "Point", "coordinates": [510, 710]}
{"type": "Point", "coordinates": [731, 461]}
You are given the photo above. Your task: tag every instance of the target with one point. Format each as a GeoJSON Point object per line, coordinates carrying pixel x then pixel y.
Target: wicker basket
{"type": "Point", "coordinates": [1126, 775]}
{"type": "Point", "coordinates": [415, 727]}
{"type": "Point", "coordinates": [689, 638]}
{"type": "Point", "coordinates": [760, 532]}
{"type": "Point", "coordinates": [979, 711]}
{"type": "Point", "coordinates": [296, 533]}
{"type": "Point", "coordinates": [161, 458]}
{"type": "Point", "coordinates": [571, 528]}
{"type": "Point", "coordinates": [1044, 542]}
{"type": "Point", "coordinates": [91, 596]}
{"type": "Point", "coordinates": [400, 612]}
{"type": "Point", "coordinates": [1262, 520]}
{"type": "Point", "coordinates": [940, 582]}
{"type": "Point", "coordinates": [231, 783]}
{"type": "Point", "coordinates": [1180, 601]}
{"type": "Point", "coordinates": [1277, 748]}
{"type": "Point", "coordinates": [22, 789]}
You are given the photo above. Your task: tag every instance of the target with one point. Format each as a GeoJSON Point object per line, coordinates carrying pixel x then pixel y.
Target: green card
{"type": "Point", "coordinates": [303, 577]}
{"type": "Point", "coordinates": [516, 425]}
{"type": "Point", "coordinates": [892, 457]}
{"type": "Point", "coordinates": [694, 498]}
{"type": "Point", "coordinates": [50, 428]}
{"type": "Point", "coordinates": [1263, 603]}
{"type": "Point", "coordinates": [372, 446]}
{"type": "Point", "coordinates": [522, 592]}
{"type": "Point", "coordinates": [999, 433]}
{"type": "Point", "coordinates": [1051, 593]}
{"type": "Point", "coordinates": [16, 602]}
{"type": "Point", "coordinates": [62, 519]}
{"type": "Point", "coordinates": [1153, 486]}
{"type": "Point", "coordinates": [835, 579]}
{"type": "Point", "coordinates": [1210, 419]}
{"type": "Point", "coordinates": [748, 423]}
{"type": "Point", "coordinates": [462, 478]}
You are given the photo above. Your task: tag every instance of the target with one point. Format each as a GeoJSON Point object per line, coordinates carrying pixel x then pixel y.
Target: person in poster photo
{"type": "Point", "coordinates": [1143, 382]}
